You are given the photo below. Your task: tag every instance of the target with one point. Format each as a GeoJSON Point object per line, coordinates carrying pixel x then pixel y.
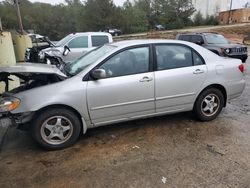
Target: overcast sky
{"type": "Point", "coordinates": [236, 3]}
{"type": "Point", "coordinates": [117, 2]}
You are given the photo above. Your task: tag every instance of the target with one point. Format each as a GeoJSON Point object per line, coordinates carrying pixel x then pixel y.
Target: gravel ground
{"type": "Point", "coordinates": [168, 151]}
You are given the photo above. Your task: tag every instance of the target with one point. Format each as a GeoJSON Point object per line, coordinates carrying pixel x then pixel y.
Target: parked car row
{"type": "Point", "coordinates": [75, 45]}
{"type": "Point", "coordinates": [117, 82]}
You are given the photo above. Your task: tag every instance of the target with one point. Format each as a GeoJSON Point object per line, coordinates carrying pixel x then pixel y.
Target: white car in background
{"type": "Point", "coordinates": [75, 45]}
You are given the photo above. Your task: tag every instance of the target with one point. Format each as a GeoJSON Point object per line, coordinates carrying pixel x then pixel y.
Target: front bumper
{"type": "Point", "coordinates": [242, 57]}
{"type": "Point", "coordinates": [235, 89]}
{"type": "Point", "coordinates": [16, 120]}
{"type": "Point", "coordinates": [6, 122]}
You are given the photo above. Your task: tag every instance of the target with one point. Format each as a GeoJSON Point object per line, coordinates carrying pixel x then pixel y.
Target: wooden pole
{"type": "Point", "coordinates": [19, 17]}
{"type": "Point", "coordinates": [1, 26]}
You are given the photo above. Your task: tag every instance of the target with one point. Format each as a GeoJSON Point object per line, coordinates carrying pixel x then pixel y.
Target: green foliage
{"type": "Point", "coordinates": [209, 20]}
{"type": "Point", "coordinates": [95, 15]}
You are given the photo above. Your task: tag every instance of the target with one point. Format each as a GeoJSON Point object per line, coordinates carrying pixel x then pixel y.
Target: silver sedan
{"type": "Point", "coordinates": [119, 82]}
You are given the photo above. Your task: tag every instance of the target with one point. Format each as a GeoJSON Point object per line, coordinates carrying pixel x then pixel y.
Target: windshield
{"type": "Point", "coordinates": [89, 58]}
{"type": "Point", "coordinates": [63, 41]}
{"type": "Point", "coordinates": [216, 39]}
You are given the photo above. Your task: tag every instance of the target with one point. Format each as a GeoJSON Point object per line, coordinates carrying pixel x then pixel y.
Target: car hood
{"type": "Point", "coordinates": [32, 68]}
{"type": "Point", "coordinates": [54, 49]}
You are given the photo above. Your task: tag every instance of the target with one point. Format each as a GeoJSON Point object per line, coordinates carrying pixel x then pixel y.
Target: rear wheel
{"type": "Point", "coordinates": [209, 104]}
{"type": "Point", "coordinates": [56, 129]}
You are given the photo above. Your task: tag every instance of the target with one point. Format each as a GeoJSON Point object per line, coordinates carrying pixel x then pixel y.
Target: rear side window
{"type": "Point", "coordinates": [79, 42]}
{"type": "Point", "coordinates": [176, 56]}
{"type": "Point", "coordinates": [99, 40]}
{"type": "Point", "coordinates": [197, 59]}
{"type": "Point", "coordinates": [173, 56]}
{"type": "Point", "coordinates": [197, 39]}
{"type": "Point", "coordinates": [185, 37]}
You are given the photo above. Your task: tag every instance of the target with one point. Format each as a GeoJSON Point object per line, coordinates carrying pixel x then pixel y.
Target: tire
{"type": "Point", "coordinates": [56, 128]}
{"type": "Point", "coordinates": [209, 104]}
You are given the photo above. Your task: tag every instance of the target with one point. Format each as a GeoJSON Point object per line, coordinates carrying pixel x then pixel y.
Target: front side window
{"type": "Point", "coordinates": [64, 41]}
{"type": "Point", "coordinates": [99, 40]}
{"type": "Point", "coordinates": [173, 56]}
{"type": "Point", "coordinates": [128, 62]}
{"type": "Point", "coordinates": [79, 42]}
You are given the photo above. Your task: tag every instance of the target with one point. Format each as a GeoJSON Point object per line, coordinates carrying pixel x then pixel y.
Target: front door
{"type": "Point", "coordinates": [78, 47]}
{"type": "Point", "coordinates": [126, 92]}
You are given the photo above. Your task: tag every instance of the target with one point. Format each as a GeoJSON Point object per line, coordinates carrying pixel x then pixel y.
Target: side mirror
{"type": "Point", "coordinates": [98, 74]}
{"type": "Point", "coordinates": [66, 50]}
{"type": "Point", "coordinates": [200, 42]}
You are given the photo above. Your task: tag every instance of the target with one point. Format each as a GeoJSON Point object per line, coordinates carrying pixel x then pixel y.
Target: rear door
{"type": "Point", "coordinates": [180, 73]}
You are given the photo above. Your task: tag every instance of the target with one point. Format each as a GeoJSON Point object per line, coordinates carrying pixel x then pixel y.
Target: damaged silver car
{"type": "Point", "coordinates": [119, 82]}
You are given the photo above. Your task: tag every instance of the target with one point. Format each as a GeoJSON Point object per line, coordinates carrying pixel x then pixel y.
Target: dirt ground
{"type": "Point", "coordinates": [168, 151]}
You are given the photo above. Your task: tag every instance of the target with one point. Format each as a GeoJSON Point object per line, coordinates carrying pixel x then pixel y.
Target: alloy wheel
{"type": "Point", "coordinates": [56, 130]}
{"type": "Point", "coordinates": [210, 105]}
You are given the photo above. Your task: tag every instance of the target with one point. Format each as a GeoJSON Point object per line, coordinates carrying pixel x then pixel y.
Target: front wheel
{"type": "Point", "coordinates": [56, 128]}
{"type": "Point", "coordinates": [209, 104]}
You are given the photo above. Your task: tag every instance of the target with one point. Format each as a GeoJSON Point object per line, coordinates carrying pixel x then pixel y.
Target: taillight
{"type": "Point", "coordinates": [241, 67]}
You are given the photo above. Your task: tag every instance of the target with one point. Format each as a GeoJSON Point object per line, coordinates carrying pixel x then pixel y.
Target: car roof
{"type": "Point", "coordinates": [90, 33]}
{"type": "Point", "coordinates": [148, 41]}
{"type": "Point", "coordinates": [202, 33]}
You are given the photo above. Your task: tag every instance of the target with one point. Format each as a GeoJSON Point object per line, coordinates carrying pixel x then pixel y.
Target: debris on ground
{"type": "Point", "coordinates": [113, 136]}
{"type": "Point", "coordinates": [136, 147]}
{"type": "Point", "coordinates": [213, 150]}
{"type": "Point", "coordinates": [164, 180]}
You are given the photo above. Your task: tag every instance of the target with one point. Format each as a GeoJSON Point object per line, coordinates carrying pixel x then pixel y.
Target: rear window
{"type": "Point", "coordinates": [99, 40]}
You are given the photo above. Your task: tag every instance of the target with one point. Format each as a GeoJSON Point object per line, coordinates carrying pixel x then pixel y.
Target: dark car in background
{"type": "Point", "coordinates": [216, 43]}
{"type": "Point", "coordinates": [113, 31]}
{"type": "Point", "coordinates": [159, 27]}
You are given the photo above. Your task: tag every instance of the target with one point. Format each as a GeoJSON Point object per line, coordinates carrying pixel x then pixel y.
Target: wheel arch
{"type": "Point", "coordinates": [215, 51]}
{"type": "Point", "coordinates": [219, 87]}
{"type": "Point", "coordinates": [81, 119]}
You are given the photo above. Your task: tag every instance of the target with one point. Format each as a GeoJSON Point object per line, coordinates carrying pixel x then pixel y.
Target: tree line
{"type": "Point", "coordinates": [56, 21]}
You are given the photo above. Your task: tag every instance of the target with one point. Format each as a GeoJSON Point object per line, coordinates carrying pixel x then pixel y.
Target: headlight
{"type": "Point", "coordinates": [8, 104]}
{"type": "Point", "coordinates": [227, 50]}
{"type": "Point", "coordinates": [41, 55]}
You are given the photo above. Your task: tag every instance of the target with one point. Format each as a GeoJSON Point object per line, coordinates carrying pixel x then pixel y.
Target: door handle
{"type": "Point", "coordinates": [146, 79]}
{"type": "Point", "coordinates": [198, 71]}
